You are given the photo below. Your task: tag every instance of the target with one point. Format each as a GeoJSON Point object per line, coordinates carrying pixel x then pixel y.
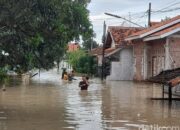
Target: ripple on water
{"type": "Point", "coordinates": [50, 104]}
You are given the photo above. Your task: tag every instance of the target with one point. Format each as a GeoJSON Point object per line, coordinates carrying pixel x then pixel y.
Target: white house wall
{"type": "Point", "coordinates": [123, 70]}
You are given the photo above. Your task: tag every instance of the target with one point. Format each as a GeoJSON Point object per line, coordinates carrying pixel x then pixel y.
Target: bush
{"type": "Point", "coordinates": [3, 75]}
{"type": "Point", "coordinates": [86, 64]}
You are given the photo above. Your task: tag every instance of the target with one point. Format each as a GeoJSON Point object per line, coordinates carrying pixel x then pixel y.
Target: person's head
{"type": "Point", "coordinates": [84, 78]}
{"type": "Point", "coordinates": [87, 77]}
{"type": "Point", "coordinates": [65, 72]}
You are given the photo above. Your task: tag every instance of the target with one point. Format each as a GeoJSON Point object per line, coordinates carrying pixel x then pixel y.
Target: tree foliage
{"type": "Point", "coordinates": [82, 62]}
{"type": "Point", "coordinates": [87, 65]}
{"type": "Point", "coordinates": [73, 57]}
{"type": "Point", "coordinates": [89, 44]}
{"type": "Point", "coordinates": [35, 32]}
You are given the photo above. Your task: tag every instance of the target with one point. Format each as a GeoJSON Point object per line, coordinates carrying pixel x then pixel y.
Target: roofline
{"type": "Point", "coordinates": [162, 36]}
{"type": "Point", "coordinates": [112, 38]}
{"type": "Point", "coordinates": [153, 31]}
{"type": "Point", "coordinates": [152, 38]}
{"type": "Point", "coordinates": [113, 52]}
{"type": "Point", "coordinates": [160, 28]}
{"type": "Point", "coordinates": [175, 36]}
{"type": "Point", "coordinates": [132, 38]}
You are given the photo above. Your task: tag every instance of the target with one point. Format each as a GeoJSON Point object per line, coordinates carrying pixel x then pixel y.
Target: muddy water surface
{"type": "Point", "coordinates": [47, 103]}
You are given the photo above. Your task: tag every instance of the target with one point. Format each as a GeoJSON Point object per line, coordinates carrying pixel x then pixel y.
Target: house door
{"type": "Point", "coordinates": [154, 65]}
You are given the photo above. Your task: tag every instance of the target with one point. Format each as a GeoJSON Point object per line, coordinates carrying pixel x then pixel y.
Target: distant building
{"type": "Point", "coordinates": [118, 61]}
{"type": "Point", "coordinates": [73, 47]}
{"type": "Point", "coordinates": [70, 48]}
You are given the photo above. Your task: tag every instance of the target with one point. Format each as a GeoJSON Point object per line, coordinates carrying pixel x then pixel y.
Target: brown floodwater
{"type": "Point", "coordinates": [47, 103]}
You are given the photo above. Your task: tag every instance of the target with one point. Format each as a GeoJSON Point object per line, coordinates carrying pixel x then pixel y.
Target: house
{"type": "Point", "coordinates": [73, 47]}
{"type": "Point", "coordinates": [156, 48]}
{"type": "Point", "coordinates": [120, 60]}
{"type": "Point", "coordinates": [70, 48]}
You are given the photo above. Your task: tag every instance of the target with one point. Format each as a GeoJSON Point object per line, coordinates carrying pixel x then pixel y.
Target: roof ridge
{"type": "Point", "coordinates": [155, 27]}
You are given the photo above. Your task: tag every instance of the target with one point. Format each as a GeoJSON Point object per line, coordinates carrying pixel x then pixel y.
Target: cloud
{"type": "Point", "coordinates": [123, 7]}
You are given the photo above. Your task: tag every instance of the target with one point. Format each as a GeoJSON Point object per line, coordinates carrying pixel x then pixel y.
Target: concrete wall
{"type": "Point", "coordinates": [99, 59]}
{"type": "Point", "coordinates": [123, 70]}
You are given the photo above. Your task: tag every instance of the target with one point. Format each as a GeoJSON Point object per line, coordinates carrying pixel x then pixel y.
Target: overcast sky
{"type": "Point", "coordinates": [130, 9]}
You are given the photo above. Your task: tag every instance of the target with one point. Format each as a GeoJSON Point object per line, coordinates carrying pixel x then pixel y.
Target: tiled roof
{"type": "Point", "coordinates": [175, 82]}
{"type": "Point", "coordinates": [119, 33]}
{"type": "Point", "coordinates": [155, 26]}
{"type": "Point", "coordinates": [98, 51]}
{"type": "Point", "coordinates": [109, 50]}
{"type": "Point", "coordinates": [166, 30]}
{"type": "Point", "coordinates": [154, 23]}
{"type": "Point", "coordinates": [165, 76]}
{"type": "Point", "coordinates": [73, 47]}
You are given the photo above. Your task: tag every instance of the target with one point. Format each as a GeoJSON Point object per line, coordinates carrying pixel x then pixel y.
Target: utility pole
{"type": "Point", "coordinates": [149, 15]}
{"type": "Point", "coordinates": [130, 18]}
{"type": "Point", "coordinates": [91, 43]}
{"type": "Point", "coordinates": [92, 39]}
{"type": "Point", "coordinates": [103, 49]}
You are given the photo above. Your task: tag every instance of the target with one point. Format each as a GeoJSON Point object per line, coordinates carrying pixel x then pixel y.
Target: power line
{"type": "Point", "coordinates": [168, 6]}
{"type": "Point", "coordinates": [123, 18]}
{"type": "Point", "coordinates": [169, 10]}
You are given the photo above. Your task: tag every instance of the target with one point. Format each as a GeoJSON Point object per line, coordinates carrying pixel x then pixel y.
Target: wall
{"type": "Point", "coordinates": [138, 60]}
{"type": "Point", "coordinates": [123, 70]}
{"type": "Point", "coordinates": [175, 52]}
{"type": "Point", "coordinates": [156, 57]}
{"type": "Point", "coordinates": [99, 60]}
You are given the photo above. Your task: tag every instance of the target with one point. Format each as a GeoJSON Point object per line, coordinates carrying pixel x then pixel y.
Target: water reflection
{"type": "Point", "coordinates": [46, 103]}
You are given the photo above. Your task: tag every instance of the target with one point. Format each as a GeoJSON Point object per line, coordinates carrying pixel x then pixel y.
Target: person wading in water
{"type": "Point", "coordinates": [84, 83]}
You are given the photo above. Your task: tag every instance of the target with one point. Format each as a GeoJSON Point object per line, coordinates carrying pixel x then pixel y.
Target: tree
{"type": "Point", "coordinates": [35, 32]}
{"type": "Point", "coordinates": [82, 62]}
{"type": "Point", "coordinates": [87, 65]}
{"type": "Point", "coordinates": [89, 44]}
{"type": "Point", "coordinates": [73, 57]}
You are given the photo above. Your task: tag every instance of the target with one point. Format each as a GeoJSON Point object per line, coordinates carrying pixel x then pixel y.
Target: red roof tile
{"type": "Point", "coordinates": [166, 30]}
{"type": "Point", "coordinates": [175, 82]}
{"type": "Point", "coordinates": [109, 50]}
{"type": "Point", "coordinates": [73, 47]}
{"type": "Point", "coordinates": [154, 23]}
{"type": "Point", "coordinates": [98, 51]}
{"type": "Point", "coordinates": [119, 33]}
{"type": "Point", "coordinates": [155, 26]}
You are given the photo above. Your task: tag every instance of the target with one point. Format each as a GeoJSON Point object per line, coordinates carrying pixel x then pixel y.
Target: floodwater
{"type": "Point", "coordinates": [47, 103]}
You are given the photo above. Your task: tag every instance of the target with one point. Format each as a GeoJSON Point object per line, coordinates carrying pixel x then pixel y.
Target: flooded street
{"type": "Point", "coordinates": [47, 103]}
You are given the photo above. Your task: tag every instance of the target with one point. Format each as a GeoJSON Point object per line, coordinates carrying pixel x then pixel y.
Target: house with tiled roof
{"type": "Point", "coordinates": [119, 61]}
{"type": "Point", "coordinates": [73, 47]}
{"type": "Point", "coordinates": [156, 48]}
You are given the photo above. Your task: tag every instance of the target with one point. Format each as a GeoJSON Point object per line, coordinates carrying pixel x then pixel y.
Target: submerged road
{"type": "Point", "coordinates": [47, 103]}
